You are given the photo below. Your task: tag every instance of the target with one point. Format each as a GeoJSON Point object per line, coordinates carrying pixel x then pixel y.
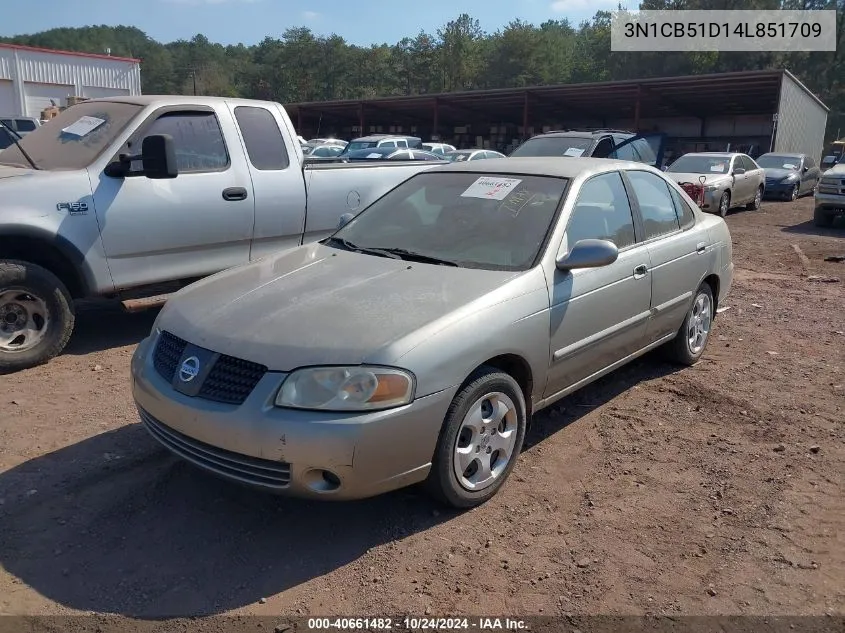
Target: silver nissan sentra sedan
{"type": "Point", "coordinates": [415, 343]}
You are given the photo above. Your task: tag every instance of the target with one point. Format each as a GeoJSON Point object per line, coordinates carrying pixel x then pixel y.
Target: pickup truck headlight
{"type": "Point", "coordinates": [358, 388]}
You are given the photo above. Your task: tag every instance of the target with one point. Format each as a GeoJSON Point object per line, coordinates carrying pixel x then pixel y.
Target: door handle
{"type": "Point", "coordinates": [640, 271]}
{"type": "Point", "coordinates": [701, 247]}
{"type": "Point", "coordinates": [234, 193]}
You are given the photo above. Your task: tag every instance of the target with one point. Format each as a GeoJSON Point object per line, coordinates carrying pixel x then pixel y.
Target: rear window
{"type": "Point", "coordinates": [265, 145]}
{"type": "Point", "coordinates": [572, 146]}
{"type": "Point", "coordinates": [359, 145]}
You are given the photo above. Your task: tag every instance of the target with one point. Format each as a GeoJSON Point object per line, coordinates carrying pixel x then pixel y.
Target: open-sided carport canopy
{"type": "Point", "coordinates": [700, 96]}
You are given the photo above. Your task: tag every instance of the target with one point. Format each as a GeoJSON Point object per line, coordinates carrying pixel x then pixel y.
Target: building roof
{"type": "Point", "coordinates": [700, 96]}
{"type": "Point", "coordinates": [36, 49]}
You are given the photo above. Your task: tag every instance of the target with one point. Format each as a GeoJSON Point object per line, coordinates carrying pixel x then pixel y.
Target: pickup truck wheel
{"type": "Point", "coordinates": [688, 345]}
{"type": "Point", "coordinates": [480, 441]}
{"type": "Point", "coordinates": [725, 204]}
{"type": "Point", "coordinates": [36, 315]}
{"type": "Point", "coordinates": [823, 218]}
{"type": "Point", "coordinates": [758, 199]}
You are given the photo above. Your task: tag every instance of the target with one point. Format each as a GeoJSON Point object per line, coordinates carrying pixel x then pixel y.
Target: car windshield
{"type": "Point", "coordinates": [692, 164]}
{"type": "Point", "coordinates": [75, 138]}
{"type": "Point", "coordinates": [773, 161]}
{"type": "Point", "coordinates": [495, 222]}
{"type": "Point", "coordinates": [573, 146]}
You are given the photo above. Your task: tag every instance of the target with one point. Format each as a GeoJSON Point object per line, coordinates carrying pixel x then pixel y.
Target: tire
{"type": "Point", "coordinates": [725, 204]}
{"type": "Point", "coordinates": [484, 388]}
{"type": "Point", "coordinates": [32, 295]}
{"type": "Point", "coordinates": [823, 218]}
{"type": "Point", "coordinates": [795, 194]}
{"type": "Point", "coordinates": [754, 205]}
{"type": "Point", "coordinates": [680, 349]}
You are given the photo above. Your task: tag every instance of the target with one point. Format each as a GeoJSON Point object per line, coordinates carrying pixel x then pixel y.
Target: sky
{"type": "Point", "coordinates": [361, 22]}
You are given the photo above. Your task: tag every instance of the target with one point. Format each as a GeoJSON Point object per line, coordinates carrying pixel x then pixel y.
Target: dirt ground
{"type": "Point", "coordinates": [712, 490]}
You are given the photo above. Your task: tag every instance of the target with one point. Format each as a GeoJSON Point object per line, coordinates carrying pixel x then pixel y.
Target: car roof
{"type": "Point", "coordinates": [582, 133]}
{"type": "Point", "coordinates": [715, 154]}
{"type": "Point", "coordinates": [381, 137]}
{"type": "Point", "coordinates": [544, 166]}
{"type": "Point", "coordinates": [790, 154]}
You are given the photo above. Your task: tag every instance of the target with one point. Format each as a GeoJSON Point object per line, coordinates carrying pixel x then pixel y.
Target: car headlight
{"type": "Point", "coordinates": [711, 187]}
{"type": "Point", "coordinates": [357, 388]}
{"type": "Point", "coordinates": [791, 178]}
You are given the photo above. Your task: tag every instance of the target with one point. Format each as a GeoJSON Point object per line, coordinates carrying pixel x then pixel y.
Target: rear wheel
{"type": "Point", "coordinates": [758, 199]}
{"type": "Point", "coordinates": [480, 441]}
{"type": "Point", "coordinates": [725, 204]}
{"type": "Point", "coordinates": [36, 315]}
{"type": "Point", "coordinates": [688, 345]}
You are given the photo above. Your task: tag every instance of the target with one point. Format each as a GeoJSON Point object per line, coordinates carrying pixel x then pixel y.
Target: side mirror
{"type": "Point", "coordinates": [588, 254]}
{"type": "Point", "coordinates": [158, 156]}
{"type": "Point", "coordinates": [739, 171]}
{"type": "Point", "coordinates": [806, 169]}
{"type": "Point", "coordinates": [345, 219]}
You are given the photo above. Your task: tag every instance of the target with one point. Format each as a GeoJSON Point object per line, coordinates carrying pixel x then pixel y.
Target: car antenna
{"type": "Point", "coordinates": [16, 138]}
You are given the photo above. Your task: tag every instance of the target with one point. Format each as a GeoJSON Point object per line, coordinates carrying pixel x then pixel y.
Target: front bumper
{"type": "Point", "coordinates": [288, 451]}
{"type": "Point", "coordinates": [780, 189]}
{"type": "Point", "coordinates": [711, 200]}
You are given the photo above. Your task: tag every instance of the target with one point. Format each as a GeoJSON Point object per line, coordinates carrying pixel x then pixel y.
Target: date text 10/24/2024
{"type": "Point", "coordinates": [417, 624]}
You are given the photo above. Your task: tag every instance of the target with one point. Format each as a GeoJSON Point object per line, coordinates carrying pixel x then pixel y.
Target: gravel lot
{"type": "Point", "coordinates": [712, 490]}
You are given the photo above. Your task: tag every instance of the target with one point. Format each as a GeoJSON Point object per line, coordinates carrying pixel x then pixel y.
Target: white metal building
{"type": "Point", "coordinates": [31, 79]}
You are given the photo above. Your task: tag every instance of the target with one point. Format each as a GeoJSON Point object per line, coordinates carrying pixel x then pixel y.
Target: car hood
{"type": "Point", "coordinates": [7, 171]}
{"type": "Point", "coordinates": [318, 305]}
{"type": "Point", "coordinates": [779, 173]}
{"type": "Point", "coordinates": [709, 179]}
{"type": "Point", "coordinates": [836, 170]}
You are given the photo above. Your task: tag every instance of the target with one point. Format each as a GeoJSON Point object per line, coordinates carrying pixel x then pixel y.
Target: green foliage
{"type": "Point", "coordinates": [302, 66]}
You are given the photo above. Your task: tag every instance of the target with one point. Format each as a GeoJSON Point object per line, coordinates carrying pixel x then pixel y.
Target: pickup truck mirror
{"type": "Point", "coordinates": [588, 254]}
{"type": "Point", "coordinates": [158, 156]}
{"type": "Point", "coordinates": [158, 159]}
{"type": "Point", "coordinates": [344, 220]}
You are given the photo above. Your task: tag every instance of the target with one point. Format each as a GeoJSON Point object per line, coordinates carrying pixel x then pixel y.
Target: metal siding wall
{"type": "Point", "coordinates": [801, 121]}
{"type": "Point", "coordinates": [7, 62]}
{"type": "Point", "coordinates": [78, 71]}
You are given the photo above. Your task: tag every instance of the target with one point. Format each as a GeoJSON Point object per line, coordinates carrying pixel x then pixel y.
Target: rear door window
{"type": "Point", "coordinates": [265, 145]}
{"type": "Point", "coordinates": [656, 205]}
{"type": "Point", "coordinates": [26, 125]}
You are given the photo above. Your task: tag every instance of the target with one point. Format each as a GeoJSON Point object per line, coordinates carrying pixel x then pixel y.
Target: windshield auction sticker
{"type": "Point", "coordinates": [491, 188]}
{"type": "Point", "coordinates": [83, 126]}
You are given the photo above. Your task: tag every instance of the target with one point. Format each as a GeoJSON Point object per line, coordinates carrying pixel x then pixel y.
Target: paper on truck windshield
{"type": "Point", "coordinates": [575, 152]}
{"type": "Point", "coordinates": [491, 188]}
{"type": "Point", "coordinates": [83, 126]}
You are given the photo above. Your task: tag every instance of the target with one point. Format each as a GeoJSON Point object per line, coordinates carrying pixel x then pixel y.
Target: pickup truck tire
{"type": "Point", "coordinates": [823, 218]}
{"type": "Point", "coordinates": [482, 433]}
{"type": "Point", "coordinates": [34, 302]}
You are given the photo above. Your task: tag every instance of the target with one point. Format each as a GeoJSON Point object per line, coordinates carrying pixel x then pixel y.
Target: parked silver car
{"type": "Point", "coordinates": [416, 342]}
{"type": "Point", "coordinates": [730, 180]}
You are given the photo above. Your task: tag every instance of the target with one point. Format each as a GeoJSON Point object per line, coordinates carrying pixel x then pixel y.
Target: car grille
{"type": "Point", "coordinates": [243, 468]}
{"type": "Point", "coordinates": [230, 381]}
{"type": "Point", "coordinates": [832, 185]}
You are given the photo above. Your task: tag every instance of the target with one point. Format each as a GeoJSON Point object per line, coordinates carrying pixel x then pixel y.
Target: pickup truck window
{"type": "Point", "coordinates": [197, 138]}
{"type": "Point", "coordinates": [265, 145]}
{"type": "Point", "coordinates": [52, 148]}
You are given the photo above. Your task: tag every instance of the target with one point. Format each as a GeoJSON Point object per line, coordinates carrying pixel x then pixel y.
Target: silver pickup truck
{"type": "Point", "coordinates": [133, 197]}
{"type": "Point", "coordinates": [830, 196]}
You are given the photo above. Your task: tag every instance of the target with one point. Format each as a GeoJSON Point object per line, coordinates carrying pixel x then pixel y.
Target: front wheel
{"type": "Point", "coordinates": [725, 204]}
{"type": "Point", "coordinates": [480, 441]}
{"type": "Point", "coordinates": [36, 315]}
{"type": "Point", "coordinates": [823, 218]}
{"type": "Point", "coordinates": [688, 345]}
{"type": "Point", "coordinates": [793, 196]}
{"type": "Point", "coordinates": [758, 200]}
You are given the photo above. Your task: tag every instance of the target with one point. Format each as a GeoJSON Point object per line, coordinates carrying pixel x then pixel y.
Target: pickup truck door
{"type": "Point", "coordinates": [190, 226]}
{"type": "Point", "coordinates": [277, 179]}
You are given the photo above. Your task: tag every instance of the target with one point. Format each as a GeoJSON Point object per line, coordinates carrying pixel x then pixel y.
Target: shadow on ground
{"type": "Point", "coordinates": [115, 524]}
{"type": "Point", "coordinates": [809, 228]}
{"type": "Point", "coordinates": [105, 325]}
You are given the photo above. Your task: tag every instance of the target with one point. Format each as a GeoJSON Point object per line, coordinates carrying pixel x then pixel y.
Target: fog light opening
{"type": "Point", "coordinates": [321, 480]}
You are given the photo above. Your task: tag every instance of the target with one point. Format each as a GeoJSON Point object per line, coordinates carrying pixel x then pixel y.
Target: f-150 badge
{"type": "Point", "coordinates": [73, 208]}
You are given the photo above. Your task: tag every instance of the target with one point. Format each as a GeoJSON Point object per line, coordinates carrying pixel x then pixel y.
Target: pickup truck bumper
{"type": "Point", "coordinates": [314, 454]}
{"type": "Point", "coordinates": [832, 203]}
